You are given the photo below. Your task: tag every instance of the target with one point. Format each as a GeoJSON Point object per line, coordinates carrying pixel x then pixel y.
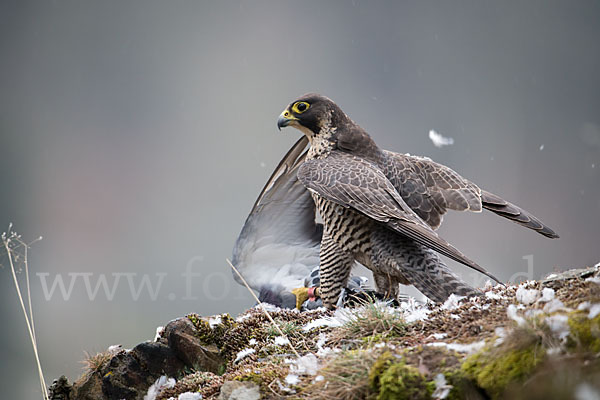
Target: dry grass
{"type": "Point", "coordinates": [345, 377]}
{"type": "Point", "coordinates": [374, 321]}
{"type": "Point", "coordinates": [94, 363]}
{"type": "Point", "coordinates": [16, 252]}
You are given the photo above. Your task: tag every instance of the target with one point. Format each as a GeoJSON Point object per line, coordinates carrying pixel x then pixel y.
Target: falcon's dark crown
{"type": "Point", "coordinates": [312, 111]}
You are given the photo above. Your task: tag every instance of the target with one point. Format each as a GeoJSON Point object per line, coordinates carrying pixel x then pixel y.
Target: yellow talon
{"type": "Point", "coordinates": [301, 296]}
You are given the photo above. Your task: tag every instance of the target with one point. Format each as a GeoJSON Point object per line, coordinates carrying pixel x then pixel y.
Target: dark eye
{"type": "Point", "coordinates": [300, 107]}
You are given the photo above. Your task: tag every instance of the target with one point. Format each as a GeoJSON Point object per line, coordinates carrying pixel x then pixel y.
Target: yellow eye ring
{"type": "Point", "coordinates": [300, 106]}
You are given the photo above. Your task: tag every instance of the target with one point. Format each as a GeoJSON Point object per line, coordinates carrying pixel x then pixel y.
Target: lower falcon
{"type": "Point", "coordinates": [380, 208]}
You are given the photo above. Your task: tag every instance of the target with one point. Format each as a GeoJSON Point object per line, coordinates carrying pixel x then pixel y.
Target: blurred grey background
{"type": "Point", "coordinates": [136, 136]}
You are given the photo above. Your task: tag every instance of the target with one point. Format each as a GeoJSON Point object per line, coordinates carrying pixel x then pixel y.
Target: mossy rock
{"type": "Point", "coordinates": [495, 370]}
{"type": "Point", "coordinates": [391, 378]}
{"type": "Point", "coordinates": [214, 335]}
{"type": "Point", "coordinates": [584, 332]}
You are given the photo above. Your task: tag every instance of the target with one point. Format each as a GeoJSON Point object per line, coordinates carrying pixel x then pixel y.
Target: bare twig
{"type": "Point", "coordinates": [263, 308]}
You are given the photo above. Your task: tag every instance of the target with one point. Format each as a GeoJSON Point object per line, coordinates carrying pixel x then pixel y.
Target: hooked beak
{"type": "Point", "coordinates": [285, 118]}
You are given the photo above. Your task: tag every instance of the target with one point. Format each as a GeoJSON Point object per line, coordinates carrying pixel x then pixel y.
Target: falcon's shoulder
{"type": "Point", "coordinates": [354, 182]}
{"type": "Point", "coordinates": [429, 188]}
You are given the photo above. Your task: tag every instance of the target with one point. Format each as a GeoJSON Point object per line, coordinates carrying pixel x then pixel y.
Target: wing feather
{"type": "Point", "coordinates": [356, 183]}
{"type": "Point", "coordinates": [431, 189]}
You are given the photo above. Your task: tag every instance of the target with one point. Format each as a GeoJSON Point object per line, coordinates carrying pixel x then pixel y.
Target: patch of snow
{"type": "Point", "coordinates": [559, 325]}
{"type": "Point", "coordinates": [547, 295]}
{"type": "Point", "coordinates": [321, 350]}
{"type": "Point", "coordinates": [319, 378]}
{"type": "Point", "coordinates": [460, 347]}
{"type": "Point", "coordinates": [159, 332]}
{"type": "Point", "coordinates": [455, 316]}
{"type": "Point", "coordinates": [439, 336]}
{"type": "Point", "coordinates": [595, 279]}
{"type": "Point", "coordinates": [242, 317]}
{"type": "Point", "coordinates": [584, 306]}
{"type": "Point", "coordinates": [452, 302]}
{"type": "Point", "coordinates": [594, 310]}
{"type": "Point", "coordinates": [512, 313]}
{"type": "Point", "coordinates": [554, 351]}
{"type": "Point", "coordinates": [115, 348]}
{"type": "Point", "coordinates": [533, 313]}
{"type": "Point", "coordinates": [243, 353]}
{"type": "Point", "coordinates": [267, 307]}
{"type": "Point", "coordinates": [305, 365]}
{"type": "Point", "coordinates": [292, 379]}
{"type": "Point", "coordinates": [413, 311]}
{"type": "Point", "coordinates": [159, 385]}
{"type": "Point", "coordinates": [282, 341]}
{"type": "Point", "coordinates": [493, 296]}
{"type": "Point", "coordinates": [501, 333]}
{"type": "Point", "coordinates": [442, 389]}
{"type": "Point", "coordinates": [214, 321]}
{"type": "Point", "coordinates": [439, 140]}
{"type": "Point", "coordinates": [555, 305]}
{"type": "Point", "coordinates": [252, 342]}
{"type": "Point", "coordinates": [189, 396]}
{"type": "Point", "coordinates": [527, 296]}
{"type": "Point", "coordinates": [329, 322]}
{"type": "Point", "coordinates": [585, 391]}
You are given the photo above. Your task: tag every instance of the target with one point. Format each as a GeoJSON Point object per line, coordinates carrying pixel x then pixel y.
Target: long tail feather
{"type": "Point", "coordinates": [510, 211]}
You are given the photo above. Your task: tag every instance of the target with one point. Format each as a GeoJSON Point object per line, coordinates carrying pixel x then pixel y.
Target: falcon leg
{"type": "Point", "coordinates": [386, 284]}
{"type": "Point", "coordinates": [422, 267]}
{"type": "Point", "coordinates": [335, 265]}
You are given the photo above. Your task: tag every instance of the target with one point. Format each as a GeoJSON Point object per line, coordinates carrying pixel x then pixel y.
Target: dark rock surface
{"type": "Point", "coordinates": [129, 373]}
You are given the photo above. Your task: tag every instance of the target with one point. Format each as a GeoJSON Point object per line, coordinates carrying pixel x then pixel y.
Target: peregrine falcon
{"type": "Point", "coordinates": [381, 208]}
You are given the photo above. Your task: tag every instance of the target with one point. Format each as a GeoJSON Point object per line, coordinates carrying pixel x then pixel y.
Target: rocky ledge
{"type": "Point", "coordinates": [540, 339]}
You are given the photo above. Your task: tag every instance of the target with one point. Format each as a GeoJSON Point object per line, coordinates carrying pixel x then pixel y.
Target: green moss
{"type": "Point", "coordinates": [288, 328]}
{"type": "Point", "coordinates": [584, 332]}
{"type": "Point", "coordinates": [372, 339]}
{"type": "Point", "coordinates": [262, 374]}
{"type": "Point", "coordinates": [495, 371]}
{"type": "Point", "coordinates": [379, 366]}
{"type": "Point", "coordinates": [393, 379]}
{"type": "Point", "coordinates": [462, 387]}
{"type": "Point", "coordinates": [214, 335]}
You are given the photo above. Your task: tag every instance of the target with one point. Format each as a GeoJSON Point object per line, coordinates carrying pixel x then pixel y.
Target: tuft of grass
{"type": "Point", "coordinates": [373, 321]}
{"type": "Point", "coordinates": [95, 363]}
{"type": "Point", "coordinates": [345, 376]}
{"type": "Point", "coordinates": [288, 328]}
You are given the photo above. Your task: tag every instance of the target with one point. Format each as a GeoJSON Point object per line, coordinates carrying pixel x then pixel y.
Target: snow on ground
{"type": "Point", "coordinates": [243, 353]}
{"type": "Point", "coordinates": [161, 383]}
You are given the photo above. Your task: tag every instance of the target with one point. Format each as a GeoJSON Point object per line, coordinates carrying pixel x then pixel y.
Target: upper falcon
{"type": "Point", "coordinates": [407, 194]}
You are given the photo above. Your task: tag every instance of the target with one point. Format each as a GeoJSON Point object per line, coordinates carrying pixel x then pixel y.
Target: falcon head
{"type": "Point", "coordinates": [310, 113]}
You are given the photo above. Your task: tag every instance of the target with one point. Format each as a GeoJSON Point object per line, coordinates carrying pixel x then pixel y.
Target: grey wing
{"type": "Point", "coordinates": [356, 183]}
{"type": "Point", "coordinates": [431, 189]}
{"type": "Point", "coordinates": [279, 243]}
